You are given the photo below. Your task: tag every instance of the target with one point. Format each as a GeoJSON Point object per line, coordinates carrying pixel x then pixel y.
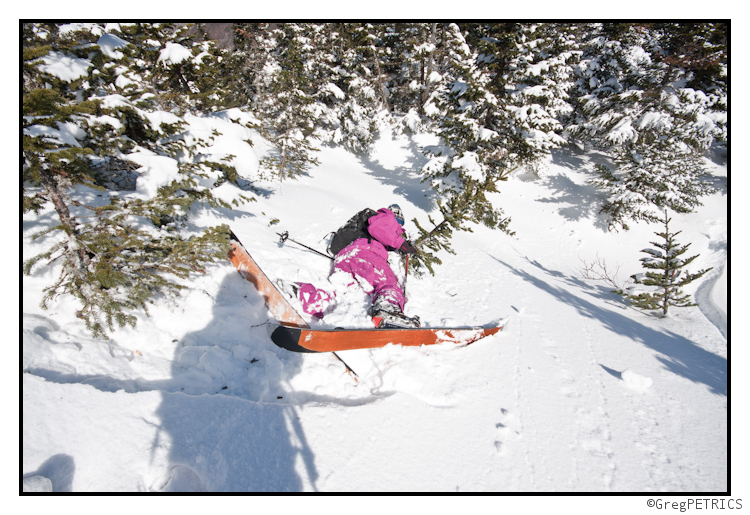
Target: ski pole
{"type": "Point", "coordinates": [406, 273]}
{"type": "Point", "coordinates": [348, 368]}
{"type": "Point", "coordinates": [285, 236]}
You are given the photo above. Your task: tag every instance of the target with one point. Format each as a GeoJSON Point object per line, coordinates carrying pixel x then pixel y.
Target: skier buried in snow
{"type": "Point", "coordinates": [366, 260]}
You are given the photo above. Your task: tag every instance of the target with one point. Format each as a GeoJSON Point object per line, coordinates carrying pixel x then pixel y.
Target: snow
{"type": "Point", "coordinates": [174, 53]}
{"type": "Point", "coordinates": [94, 28]}
{"type": "Point", "coordinates": [334, 90]}
{"type": "Point", "coordinates": [470, 165]}
{"type": "Point", "coordinates": [67, 133]}
{"type": "Point", "coordinates": [635, 381]}
{"type": "Point", "coordinates": [110, 45]}
{"type": "Point", "coordinates": [578, 392]}
{"type": "Point", "coordinates": [65, 67]}
{"type": "Point", "coordinates": [656, 120]}
{"type": "Point", "coordinates": [623, 132]}
{"type": "Point", "coordinates": [123, 82]}
{"type": "Point", "coordinates": [154, 172]}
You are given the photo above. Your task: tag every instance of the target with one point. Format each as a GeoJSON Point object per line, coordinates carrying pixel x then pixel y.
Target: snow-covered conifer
{"type": "Point", "coordinates": [458, 168]}
{"type": "Point", "coordinates": [285, 103]}
{"type": "Point", "coordinates": [631, 85]}
{"type": "Point", "coordinates": [89, 111]}
{"type": "Point", "coordinates": [632, 101]}
{"type": "Point", "coordinates": [651, 176]}
{"type": "Point", "coordinates": [346, 100]}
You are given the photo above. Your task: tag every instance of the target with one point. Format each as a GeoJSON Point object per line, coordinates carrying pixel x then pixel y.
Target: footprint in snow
{"type": "Point", "coordinates": [506, 429]}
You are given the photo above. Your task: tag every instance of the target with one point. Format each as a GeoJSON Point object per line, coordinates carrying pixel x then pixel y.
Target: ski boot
{"type": "Point", "coordinates": [288, 288]}
{"type": "Point", "coordinates": [388, 316]}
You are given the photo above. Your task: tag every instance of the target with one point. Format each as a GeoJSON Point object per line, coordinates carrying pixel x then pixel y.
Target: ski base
{"type": "Point", "coordinates": [302, 339]}
{"type": "Point", "coordinates": [277, 303]}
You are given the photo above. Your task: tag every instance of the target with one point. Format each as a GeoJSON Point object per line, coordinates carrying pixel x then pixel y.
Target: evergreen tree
{"type": "Point", "coordinates": [285, 102]}
{"type": "Point", "coordinates": [403, 61]}
{"type": "Point", "coordinates": [541, 77]}
{"type": "Point", "coordinates": [399, 62]}
{"type": "Point", "coordinates": [410, 64]}
{"type": "Point", "coordinates": [697, 68]}
{"type": "Point", "coordinates": [78, 130]}
{"type": "Point", "coordinates": [650, 177]}
{"type": "Point", "coordinates": [632, 85]}
{"type": "Point", "coordinates": [172, 67]}
{"type": "Point", "coordinates": [618, 81]}
{"type": "Point", "coordinates": [245, 68]}
{"type": "Point", "coordinates": [631, 101]}
{"type": "Point", "coordinates": [697, 51]}
{"type": "Point", "coordinates": [663, 279]}
{"type": "Point", "coordinates": [493, 113]}
{"type": "Point", "coordinates": [346, 99]}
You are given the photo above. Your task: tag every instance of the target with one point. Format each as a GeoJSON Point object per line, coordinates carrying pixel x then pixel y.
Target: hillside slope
{"type": "Point", "coordinates": [578, 393]}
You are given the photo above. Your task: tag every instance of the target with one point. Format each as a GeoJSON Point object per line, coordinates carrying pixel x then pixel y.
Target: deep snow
{"type": "Point", "coordinates": [578, 393]}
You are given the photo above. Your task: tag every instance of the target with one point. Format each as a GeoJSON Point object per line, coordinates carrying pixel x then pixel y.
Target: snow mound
{"type": "Point", "coordinates": [111, 44]}
{"type": "Point", "coordinates": [635, 381]}
{"type": "Point", "coordinates": [65, 67]}
{"type": "Point", "coordinates": [174, 53]}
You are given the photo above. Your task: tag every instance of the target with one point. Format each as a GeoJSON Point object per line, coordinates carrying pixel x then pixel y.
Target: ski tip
{"type": "Point", "coordinates": [288, 338]}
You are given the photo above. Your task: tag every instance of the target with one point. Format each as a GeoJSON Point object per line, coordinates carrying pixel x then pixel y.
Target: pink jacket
{"type": "Point", "coordinates": [384, 228]}
{"type": "Point", "coordinates": [367, 262]}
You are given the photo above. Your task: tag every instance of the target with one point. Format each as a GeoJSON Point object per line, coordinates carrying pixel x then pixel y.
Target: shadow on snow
{"type": "Point", "coordinates": [405, 179]}
{"type": "Point", "coordinates": [223, 442]}
{"type": "Point", "coordinates": [225, 416]}
{"type": "Point", "coordinates": [678, 354]}
{"type": "Point", "coordinates": [59, 469]}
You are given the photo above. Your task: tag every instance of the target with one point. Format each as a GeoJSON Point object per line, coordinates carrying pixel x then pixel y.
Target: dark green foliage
{"type": "Point", "coordinates": [697, 48]}
{"type": "Point", "coordinates": [500, 97]}
{"type": "Point", "coordinates": [651, 177]}
{"type": "Point", "coordinates": [495, 44]}
{"type": "Point", "coordinates": [642, 97]}
{"type": "Point", "coordinates": [664, 276]}
{"type": "Point", "coordinates": [115, 255]}
{"type": "Point", "coordinates": [470, 205]}
{"type": "Point", "coordinates": [285, 103]}
{"type": "Point", "coordinates": [124, 268]}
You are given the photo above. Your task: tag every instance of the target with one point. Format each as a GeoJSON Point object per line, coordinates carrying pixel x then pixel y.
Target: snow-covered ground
{"type": "Point", "coordinates": [578, 393]}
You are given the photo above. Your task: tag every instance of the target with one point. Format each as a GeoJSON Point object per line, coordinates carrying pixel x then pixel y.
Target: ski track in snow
{"type": "Point", "coordinates": [601, 421]}
{"type": "Point", "coordinates": [576, 421]}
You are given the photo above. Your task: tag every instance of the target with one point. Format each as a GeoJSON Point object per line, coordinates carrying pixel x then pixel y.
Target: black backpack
{"type": "Point", "coordinates": [354, 229]}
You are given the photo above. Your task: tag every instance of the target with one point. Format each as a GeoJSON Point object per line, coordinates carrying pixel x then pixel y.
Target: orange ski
{"type": "Point", "coordinates": [277, 303]}
{"type": "Point", "coordinates": [303, 339]}
{"type": "Point", "coordinates": [295, 335]}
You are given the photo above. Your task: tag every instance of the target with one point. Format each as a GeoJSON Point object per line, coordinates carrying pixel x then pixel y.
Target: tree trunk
{"type": "Point", "coordinates": [430, 67]}
{"type": "Point", "coordinates": [51, 180]}
{"type": "Point", "coordinates": [283, 160]}
{"type": "Point", "coordinates": [380, 81]}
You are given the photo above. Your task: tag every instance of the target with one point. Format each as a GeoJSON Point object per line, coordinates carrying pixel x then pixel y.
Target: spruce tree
{"type": "Point", "coordinates": [697, 50]}
{"type": "Point", "coordinates": [488, 123]}
{"type": "Point", "coordinates": [285, 102]}
{"type": "Point", "coordinates": [346, 101]}
{"type": "Point", "coordinates": [116, 250]}
{"type": "Point", "coordinates": [618, 80]}
{"type": "Point", "coordinates": [541, 75]}
{"type": "Point", "coordinates": [632, 102]}
{"type": "Point", "coordinates": [245, 68]}
{"type": "Point", "coordinates": [651, 176]}
{"type": "Point", "coordinates": [659, 287]}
